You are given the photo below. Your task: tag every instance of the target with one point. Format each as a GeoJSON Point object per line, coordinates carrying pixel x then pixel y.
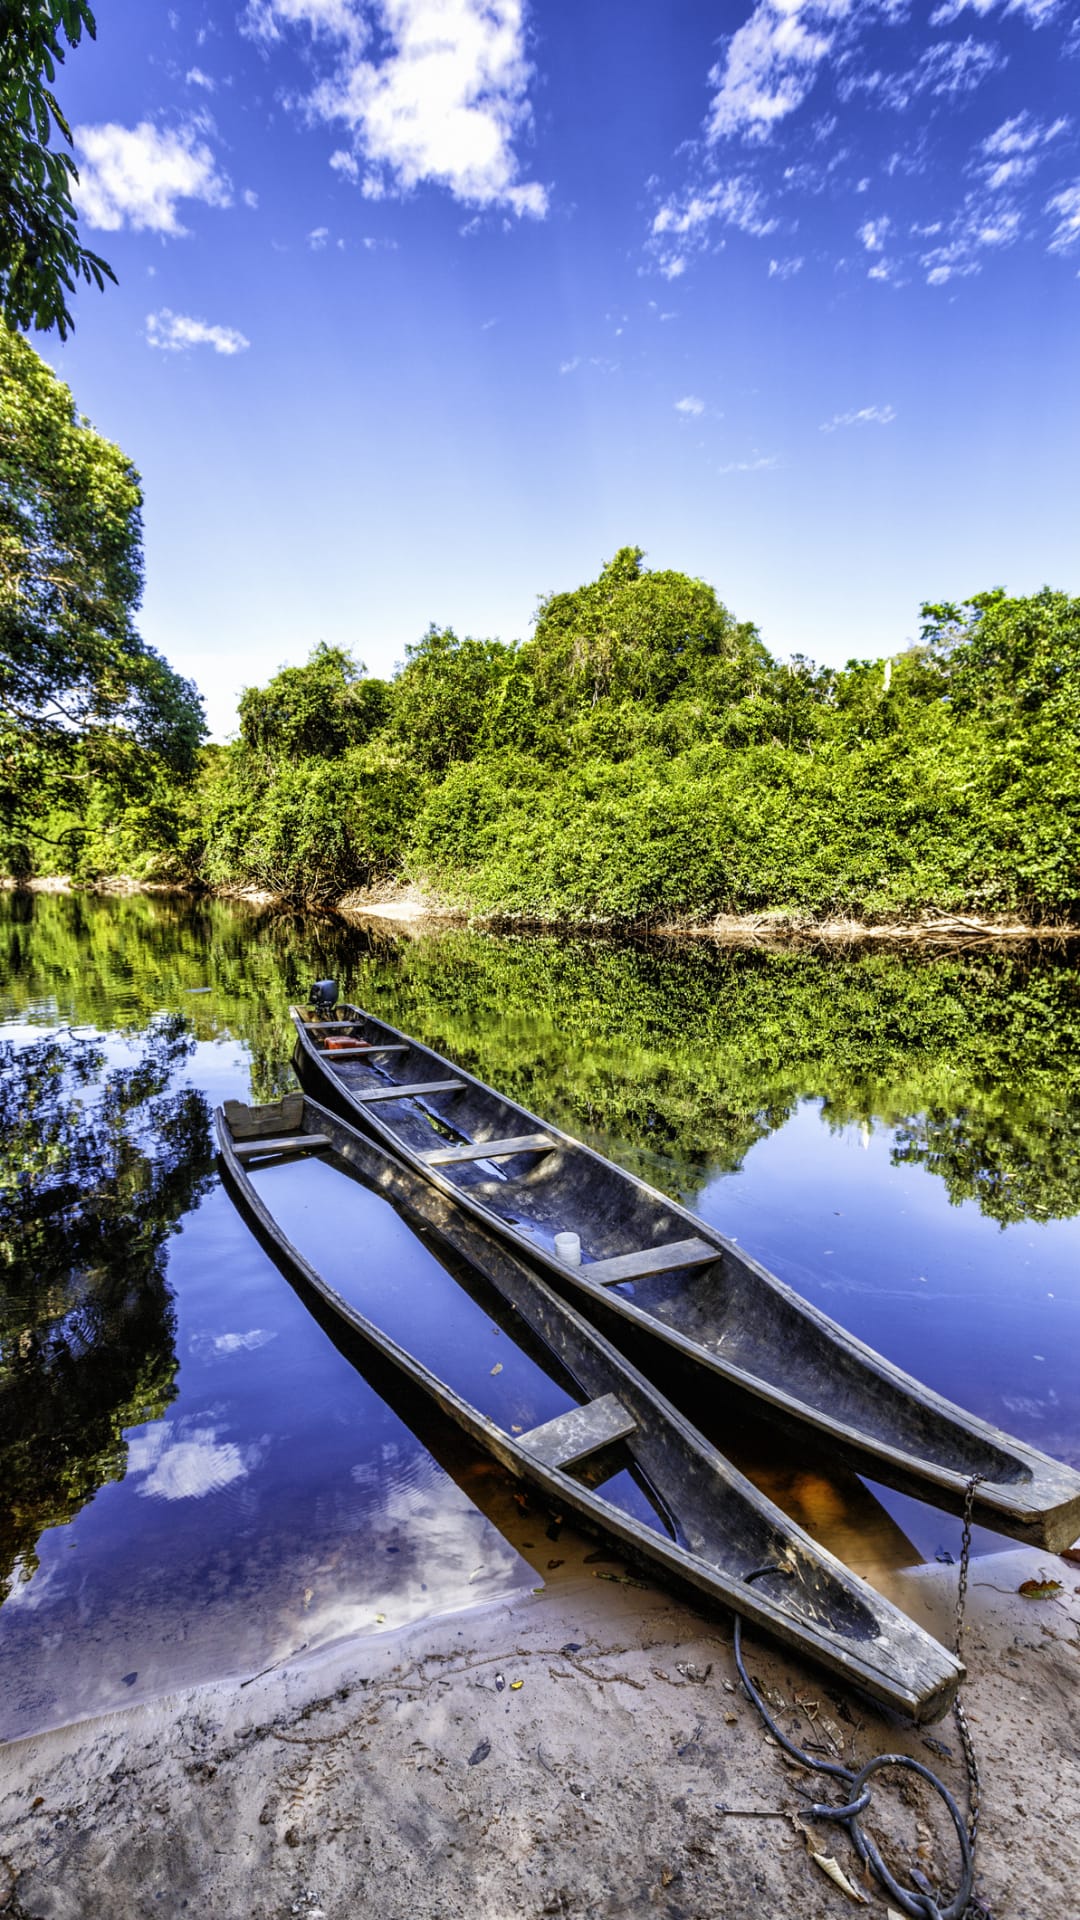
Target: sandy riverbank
{"type": "Point", "coordinates": [410, 906]}
{"type": "Point", "coordinates": [397, 1777]}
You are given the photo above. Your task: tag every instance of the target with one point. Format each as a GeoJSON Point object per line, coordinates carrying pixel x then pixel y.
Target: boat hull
{"type": "Point", "coordinates": [721, 1320]}
{"type": "Point", "coordinates": [721, 1527]}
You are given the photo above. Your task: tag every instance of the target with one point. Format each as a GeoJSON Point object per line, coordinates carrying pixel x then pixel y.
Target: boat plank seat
{"type": "Point", "coordinates": [488, 1149]}
{"type": "Point", "coordinates": [361, 1048]}
{"type": "Point", "coordinates": [259, 1123]}
{"type": "Point", "coordinates": [638, 1266]}
{"type": "Point", "coordinates": [407, 1092]}
{"type": "Point", "coordinates": [573, 1436]}
{"type": "Point", "coordinates": [282, 1143]}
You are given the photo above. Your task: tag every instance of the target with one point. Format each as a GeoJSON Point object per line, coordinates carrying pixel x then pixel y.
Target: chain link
{"type": "Point", "coordinates": [917, 1901]}
{"type": "Point", "coordinates": [975, 1909]}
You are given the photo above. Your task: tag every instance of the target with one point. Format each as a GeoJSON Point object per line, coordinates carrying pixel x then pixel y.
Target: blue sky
{"type": "Point", "coordinates": [427, 306]}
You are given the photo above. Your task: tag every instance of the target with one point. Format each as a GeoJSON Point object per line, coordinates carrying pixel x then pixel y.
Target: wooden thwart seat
{"type": "Point", "coordinates": [574, 1435]}
{"type": "Point", "coordinates": [637, 1266]}
{"type": "Point", "coordinates": [406, 1092]}
{"type": "Point", "coordinates": [487, 1150]}
{"type": "Point", "coordinates": [282, 1143]}
{"type": "Point", "coordinates": [362, 1048]}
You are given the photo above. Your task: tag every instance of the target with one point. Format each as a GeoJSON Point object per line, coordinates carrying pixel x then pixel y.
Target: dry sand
{"type": "Point", "coordinates": [567, 1753]}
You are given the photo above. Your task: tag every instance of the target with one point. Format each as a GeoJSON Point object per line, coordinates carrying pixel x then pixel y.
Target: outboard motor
{"type": "Point", "coordinates": [324, 997]}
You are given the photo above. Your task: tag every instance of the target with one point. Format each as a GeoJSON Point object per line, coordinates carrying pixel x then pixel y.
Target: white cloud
{"type": "Point", "coordinates": [690, 406]}
{"type": "Point", "coordinates": [770, 66]}
{"type": "Point", "coordinates": [428, 90]}
{"type": "Point", "coordinates": [784, 269]}
{"type": "Point", "coordinates": [955, 67]}
{"type": "Point", "coordinates": [873, 233]}
{"type": "Point", "coordinates": [1013, 152]}
{"type": "Point", "coordinates": [1036, 12]}
{"type": "Point", "coordinates": [264, 20]}
{"type": "Point", "coordinates": [195, 77]}
{"type": "Point", "coordinates": [682, 225]}
{"type": "Point", "coordinates": [346, 164]}
{"type": "Point", "coordinates": [136, 175]}
{"type": "Point", "coordinates": [250, 197]}
{"type": "Point", "coordinates": [760, 464]}
{"type": "Point", "coordinates": [1067, 207]}
{"type": "Point", "coordinates": [570, 366]}
{"type": "Point", "coordinates": [861, 417]}
{"type": "Point", "coordinates": [177, 332]}
{"type": "Point", "coordinates": [318, 238]}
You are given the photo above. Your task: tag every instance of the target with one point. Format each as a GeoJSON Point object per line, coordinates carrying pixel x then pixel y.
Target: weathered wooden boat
{"type": "Point", "coordinates": [708, 1529]}
{"type": "Point", "coordinates": [658, 1279]}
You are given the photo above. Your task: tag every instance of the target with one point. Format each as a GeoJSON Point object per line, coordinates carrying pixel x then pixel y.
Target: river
{"type": "Point", "coordinates": [195, 1480]}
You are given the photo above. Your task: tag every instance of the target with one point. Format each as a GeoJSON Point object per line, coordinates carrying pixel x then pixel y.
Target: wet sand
{"type": "Point", "coordinates": [568, 1753]}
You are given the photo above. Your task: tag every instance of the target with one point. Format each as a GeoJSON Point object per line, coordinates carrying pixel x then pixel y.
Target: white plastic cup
{"type": "Point", "coordinates": [568, 1249]}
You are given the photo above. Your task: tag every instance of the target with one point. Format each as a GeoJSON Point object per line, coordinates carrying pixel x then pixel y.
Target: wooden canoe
{"type": "Point", "coordinates": [708, 1528]}
{"type": "Point", "coordinates": [656, 1278]}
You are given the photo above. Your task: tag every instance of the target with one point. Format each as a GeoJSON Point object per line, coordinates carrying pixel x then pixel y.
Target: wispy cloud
{"type": "Point", "coordinates": [801, 101]}
{"type": "Point", "coordinates": [685, 223]}
{"type": "Point", "coordinates": [428, 91]}
{"type": "Point", "coordinates": [195, 77]}
{"type": "Point", "coordinates": [770, 66]}
{"type": "Point", "coordinates": [1036, 12]}
{"type": "Point", "coordinates": [861, 417]}
{"type": "Point", "coordinates": [1066, 206]}
{"type": "Point", "coordinates": [136, 176]}
{"type": "Point", "coordinates": [690, 406]}
{"type": "Point", "coordinates": [786, 269]}
{"type": "Point", "coordinates": [318, 238]}
{"type": "Point", "coordinates": [760, 463]}
{"type": "Point", "coordinates": [178, 332]}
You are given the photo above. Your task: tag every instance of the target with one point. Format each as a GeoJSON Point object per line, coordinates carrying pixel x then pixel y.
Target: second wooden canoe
{"type": "Point", "coordinates": [655, 1276]}
{"type": "Point", "coordinates": [697, 1520]}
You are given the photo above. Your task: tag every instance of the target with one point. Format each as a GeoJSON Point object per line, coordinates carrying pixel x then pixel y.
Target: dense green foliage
{"type": "Point", "coordinates": [642, 757]}
{"type": "Point", "coordinates": [94, 724]}
{"type": "Point", "coordinates": [41, 256]}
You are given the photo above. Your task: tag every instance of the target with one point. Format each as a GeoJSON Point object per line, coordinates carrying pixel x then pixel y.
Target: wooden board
{"type": "Point", "coordinates": [253, 1123]}
{"type": "Point", "coordinates": [574, 1435]}
{"type": "Point", "coordinates": [361, 1048]}
{"type": "Point", "coordinates": [488, 1150]}
{"type": "Point", "coordinates": [637, 1266]}
{"type": "Point", "coordinates": [404, 1093]}
{"type": "Point", "coordinates": [282, 1143]}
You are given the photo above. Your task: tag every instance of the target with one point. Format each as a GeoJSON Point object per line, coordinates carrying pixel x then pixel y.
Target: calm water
{"type": "Point", "coordinates": [196, 1480]}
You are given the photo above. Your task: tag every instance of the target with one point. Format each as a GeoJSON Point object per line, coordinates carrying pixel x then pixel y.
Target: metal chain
{"type": "Point", "coordinates": [916, 1901]}
{"type": "Point", "coordinates": [975, 1907]}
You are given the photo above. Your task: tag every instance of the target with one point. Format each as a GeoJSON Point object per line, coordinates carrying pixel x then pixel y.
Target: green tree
{"type": "Point", "coordinates": [639, 635]}
{"type": "Point", "coordinates": [74, 672]}
{"type": "Point", "coordinates": [320, 709]}
{"type": "Point", "coordinates": [447, 694]}
{"type": "Point", "coordinates": [41, 256]}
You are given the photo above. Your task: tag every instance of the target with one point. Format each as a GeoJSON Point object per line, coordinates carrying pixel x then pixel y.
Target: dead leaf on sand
{"type": "Point", "coordinates": [839, 1878]}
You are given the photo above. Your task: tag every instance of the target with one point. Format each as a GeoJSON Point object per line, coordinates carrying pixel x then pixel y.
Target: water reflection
{"type": "Point", "coordinates": [198, 1480]}
{"type": "Point", "coordinates": [96, 1169]}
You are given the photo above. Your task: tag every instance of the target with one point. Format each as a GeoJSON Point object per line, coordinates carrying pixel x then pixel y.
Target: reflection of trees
{"type": "Point", "coordinates": [675, 1056]}
{"type": "Point", "coordinates": [1017, 1166]}
{"type": "Point", "coordinates": [97, 1169]}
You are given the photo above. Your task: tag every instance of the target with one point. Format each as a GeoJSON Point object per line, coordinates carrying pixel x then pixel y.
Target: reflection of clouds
{"type": "Point", "coordinates": [185, 1462]}
{"type": "Point", "coordinates": [447, 1554]}
{"type": "Point", "coordinates": [210, 1346]}
{"type": "Point", "coordinates": [31, 1589]}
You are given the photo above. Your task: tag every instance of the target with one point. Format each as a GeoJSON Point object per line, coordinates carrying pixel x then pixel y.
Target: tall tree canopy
{"type": "Point", "coordinates": [41, 256]}
{"type": "Point", "coordinates": [75, 677]}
